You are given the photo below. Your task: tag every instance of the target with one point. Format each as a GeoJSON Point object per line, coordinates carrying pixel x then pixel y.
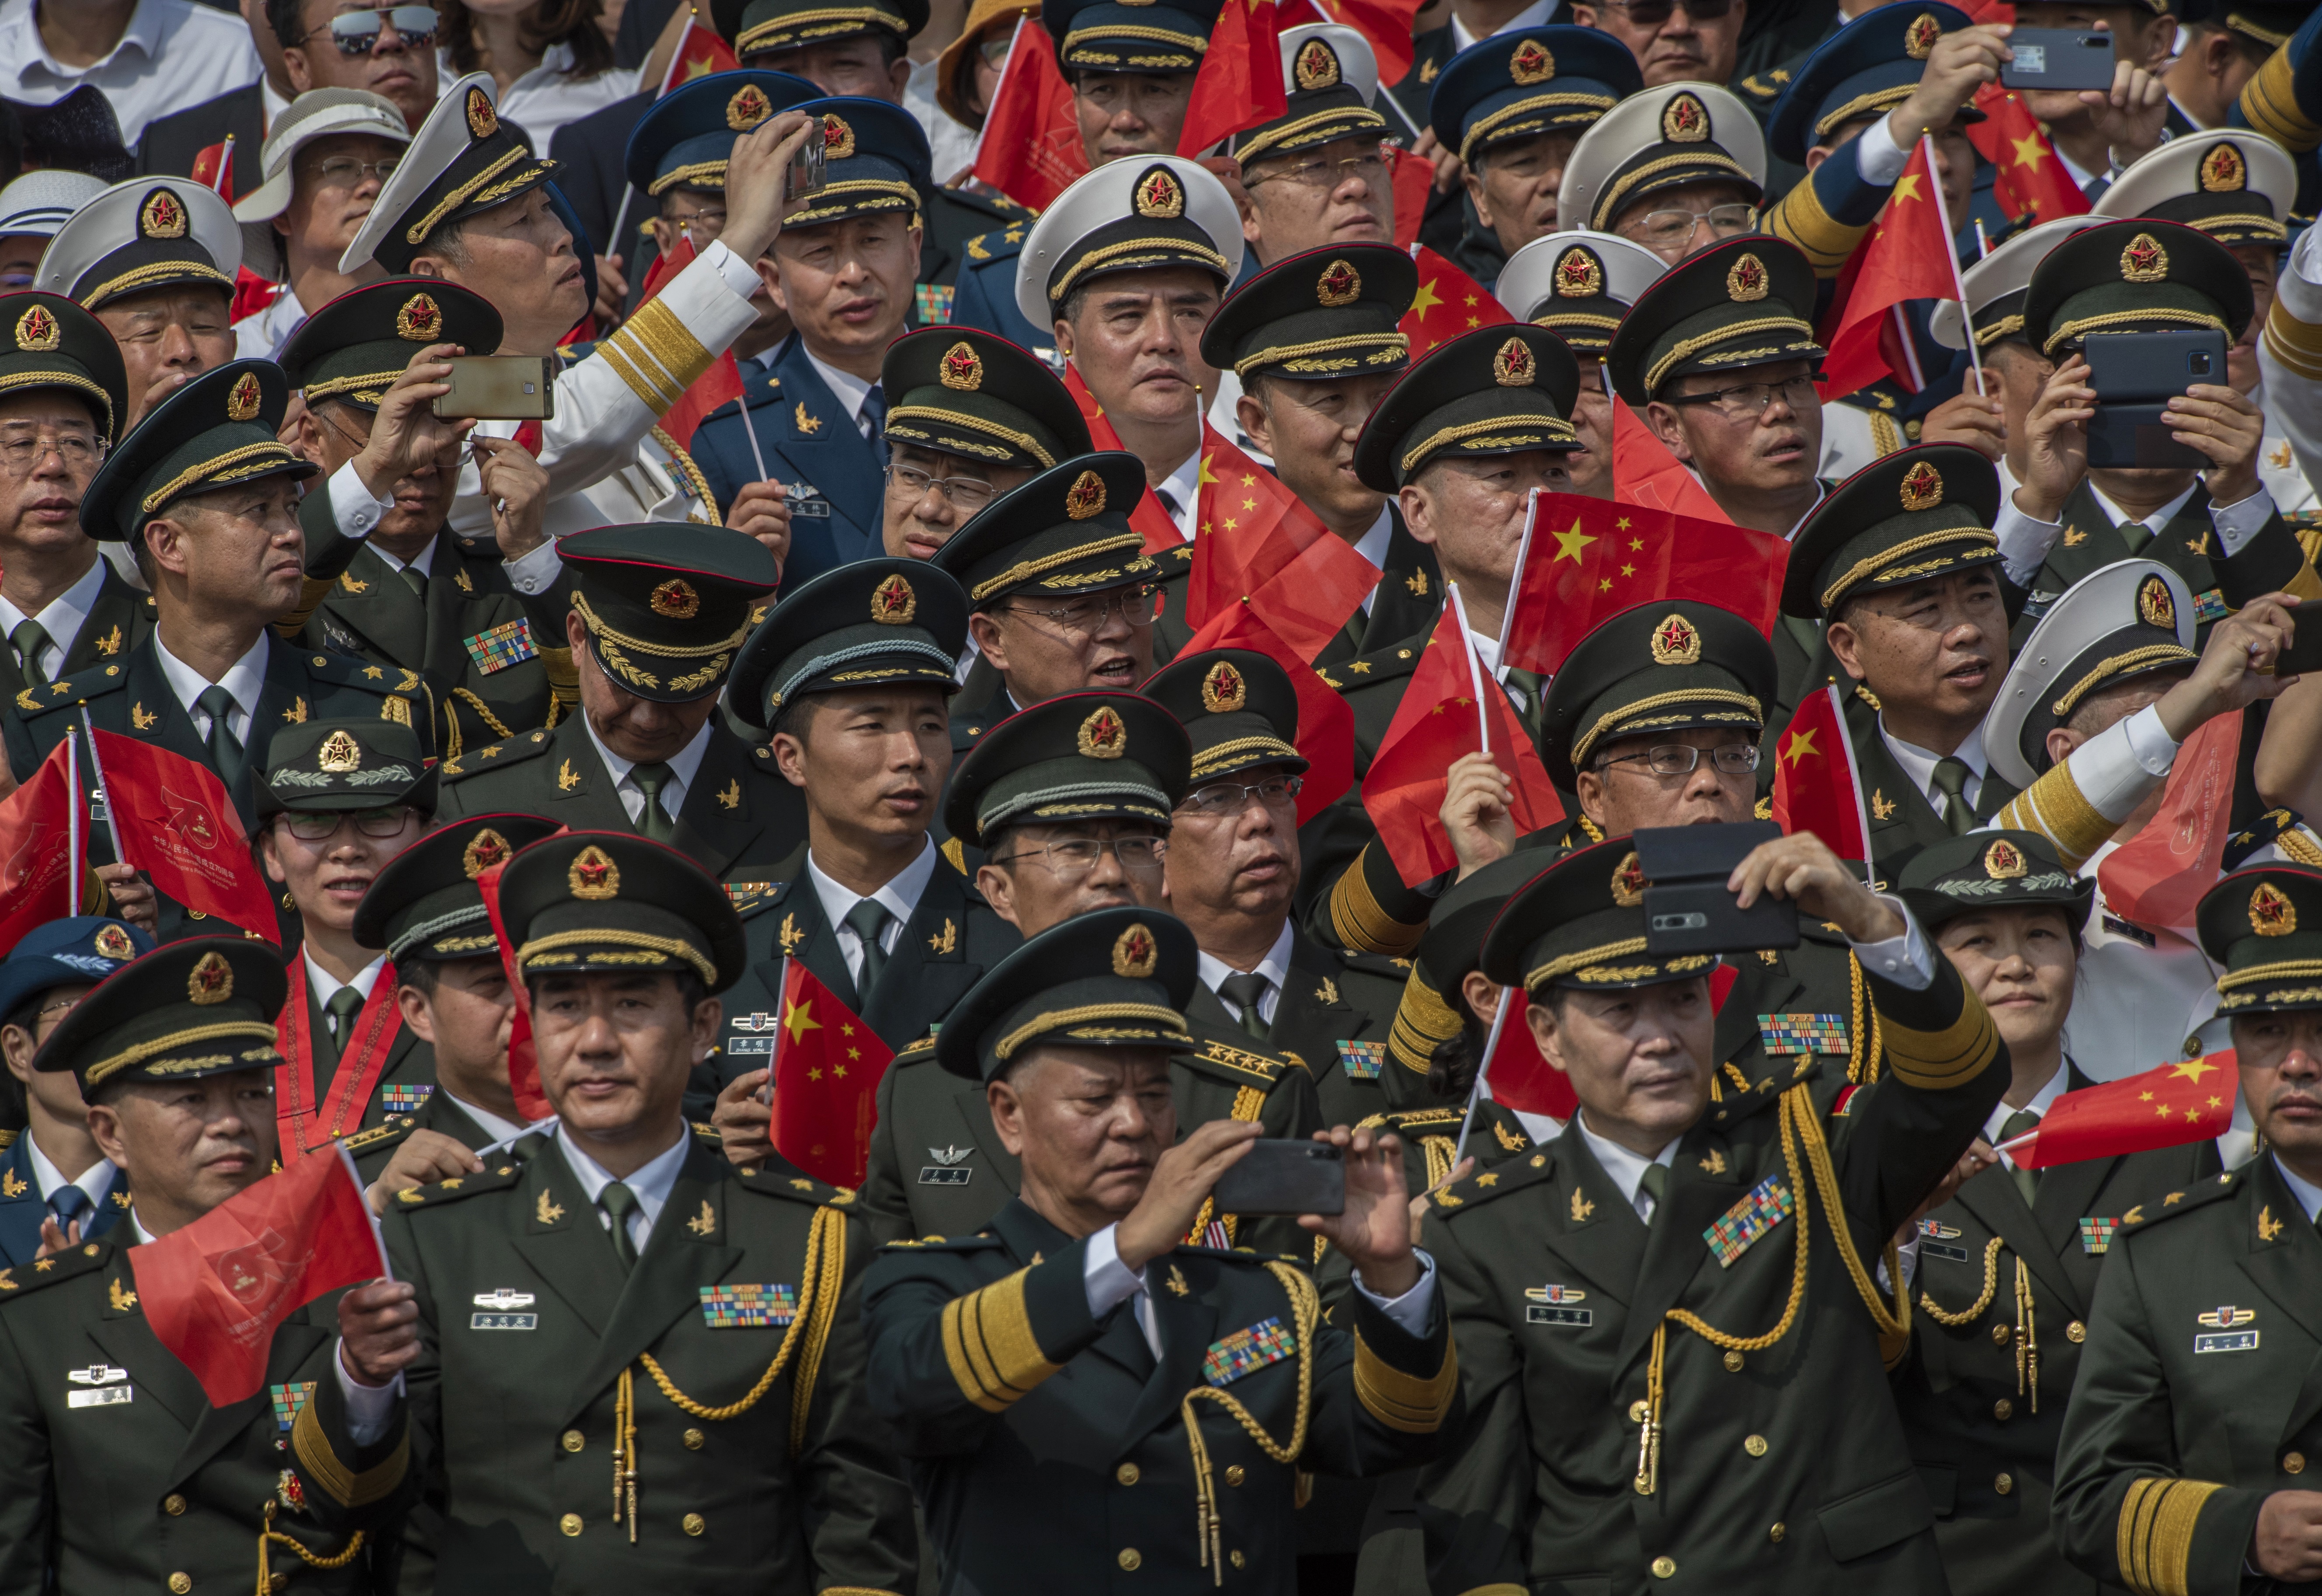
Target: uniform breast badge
{"type": "Point", "coordinates": [1245, 1352]}
{"type": "Point", "coordinates": [1362, 1061]}
{"type": "Point", "coordinates": [497, 1309]}
{"type": "Point", "coordinates": [2229, 1321]}
{"type": "Point", "coordinates": [748, 1306]}
{"type": "Point", "coordinates": [2096, 1234]}
{"type": "Point", "coordinates": [496, 648]}
{"type": "Point", "coordinates": [1553, 1305]}
{"type": "Point", "coordinates": [101, 1385]}
{"type": "Point", "coordinates": [946, 1169]}
{"type": "Point", "coordinates": [1770, 1203]}
{"type": "Point", "coordinates": [1933, 1235]}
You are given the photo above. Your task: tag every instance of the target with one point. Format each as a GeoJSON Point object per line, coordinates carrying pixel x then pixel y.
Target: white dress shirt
{"type": "Point", "coordinates": [96, 1182]}
{"type": "Point", "coordinates": [245, 679]}
{"type": "Point", "coordinates": [683, 765]}
{"type": "Point", "coordinates": [1110, 1282]}
{"type": "Point", "coordinates": [900, 896]}
{"type": "Point", "coordinates": [848, 388]}
{"type": "Point", "coordinates": [1627, 1169]}
{"type": "Point", "coordinates": [1373, 546]}
{"type": "Point", "coordinates": [261, 334]}
{"type": "Point", "coordinates": [1275, 967]}
{"type": "Point", "coordinates": [174, 54]}
{"type": "Point", "coordinates": [1919, 764]}
{"type": "Point", "coordinates": [63, 619]}
{"type": "Point", "coordinates": [1184, 486]}
{"type": "Point", "coordinates": [358, 511]}
{"type": "Point", "coordinates": [2309, 1196]}
{"type": "Point", "coordinates": [652, 1182]}
{"type": "Point", "coordinates": [2042, 1101]}
{"type": "Point", "coordinates": [325, 986]}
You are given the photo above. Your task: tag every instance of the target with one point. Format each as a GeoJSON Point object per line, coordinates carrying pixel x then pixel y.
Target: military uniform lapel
{"type": "Point", "coordinates": [450, 611]}
{"type": "Point", "coordinates": [2189, 541]}
{"type": "Point", "coordinates": [124, 1337]}
{"type": "Point", "coordinates": [928, 972]}
{"type": "Point", "coordinates": [295, 1342]}
{"type": "Point", "coordinates": [1703, 1183]}
{"type": "Point", "coordinates": [976, 1115]}
{"type": "Point", "coordinates": [281, 702]}
{"type": "Point", "coordinates": [1759, 988]}
{"type": "Point", "coordinates": [371, 598]}
{"type": "Point", "coordinates": [21, 1208]}
{"type": "Point", "coordinates": [103, 636]}
{"type": "Point", "coordinates": [1598, 1232]}
{"type": "Point", "coordinates": [564, 1240]}
{"type": "Point", "coordinates": [2090, 543]}
{"type": "Point", "coordinates": [1992, 1198]}
{"type": "Point", "coordinates": [1409, 592]}
{"type": "Point", "coordinates": [154, 713]}
{"type": "Point", "coordinates": [1902, 820]}
{"type": "Point", "coordinates": [686, 1251]}
{"type": "Point", "coordinates": [578, 790]}
{"type": "Point", "coordinates": [807, 936]}
{"type": "Point", "coordinates": [2284, 1254]}
{"type": "Point", "coordinates": [817, 436]}
{"type": "Point", "coordinates": [1187, 1320]}
{"type": "Point", "coordinates": [1312, 1018]}
{"type": "Point", "coordinates": [711, 824]}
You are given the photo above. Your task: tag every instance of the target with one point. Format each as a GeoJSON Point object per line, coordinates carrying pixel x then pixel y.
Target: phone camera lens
{"type": "Point", "coordinates": [2198, 362]}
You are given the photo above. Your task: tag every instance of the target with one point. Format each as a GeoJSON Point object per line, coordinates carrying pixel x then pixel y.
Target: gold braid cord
{"type": "Point", "coordinates": [1305, 1308]}
{"type": "Point", "coordinates": [1248, 1104]}
{"type": "Point", "coordinates": [1862, 1061]}
{"type": "Point", "coordinates": [1973, 1310]}
{"type": "Point", "coordinates": [269, 1537]}
{"type": "Point", "coordinates": [808, 1333]}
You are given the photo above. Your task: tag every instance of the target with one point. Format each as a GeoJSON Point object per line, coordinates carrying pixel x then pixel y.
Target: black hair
{"type": "Point", "coordinates": [554, 22]}
{"type": "Point", "coordinates": [288, 18]}
{"type": "Point", "coordinates": [421, 971]}
{"type": "Point", "coordinates": [794, 718]}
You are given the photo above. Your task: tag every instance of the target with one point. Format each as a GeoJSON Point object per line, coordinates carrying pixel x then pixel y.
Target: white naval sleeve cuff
{"type": "Point", "coordinates": [1877, 156]}
{"type": "Point", "coordinates": [1906, 960]}
{"type": "Point", "coordinates": [370, 1408]}
{"type": "Point", "coordinates": [356, 509]}
{"type": "Point", "coordinates": [737, 273]}
{"type": "Point", "coordinates": [536, 569]}
{"type": "Point", "coordinates": [2024, 544]}
{"type": "Point", "coordinates": [1109, 1280]}
{"type": "Point", "coordinates": [1409, 1311]}
{"type": "Point", "coordinates": [2236, 524]}
{"type": "Point", "coordinates": [2150, 745]}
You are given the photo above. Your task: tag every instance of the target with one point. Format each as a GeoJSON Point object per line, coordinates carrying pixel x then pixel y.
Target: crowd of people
{"type": "Point", "coordinates": [839, 605]}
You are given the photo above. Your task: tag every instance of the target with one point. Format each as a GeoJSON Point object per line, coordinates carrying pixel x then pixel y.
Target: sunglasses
{"type": "Point", "coordinates": [1652, 14]}
{"type": "Point", "coordinates": [357, 32]}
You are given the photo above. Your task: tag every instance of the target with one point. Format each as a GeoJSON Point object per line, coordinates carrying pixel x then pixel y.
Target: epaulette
{"type": "Point", "coordinates": [2145, 1216]}
{"type": "Point", "coordinates": [578, 351]}
{"type": "Point", "coordinates": [750, 898]}
{"type": "Point", "coordinates": [1414, 1119]}
{"type": "Point", "coordinates": [707, 1134]}
{"type": "Point", "coordinates": [1498, 1181]}
{"type": "Point", "coordinates": [69, 692]}
{"type": "Point", "coordinates": [1386, 967]}
{"type": "Point", "coordinates": [1765, 809]}
{"type": "Point", "coordinates": [8, 1139]}
{"type": "Point", "coordinates": [1757, 89]}
{"type": "Point", "coordinates": [494, 756]}
{"type": "Point", "coordinates": [1383, 665]}
{"type": "Point", "coordinates": [997, 245]}
{"type": "Point", "coordinates": [1866, 696]}
{"type": "Point", "coordinates": [498, 1177]}
{"type": "Point", "coordinates": [395, 1129]}
{"type": "Point", "coordinates": [346, 670]}
{"type": "Point", "coordinates": [982, 1242]}
{"type": "Point", "coordinates": [1255, 1065]}
{"type": "Point", "coordinates": [2268, 827]}
{"type": "Point", "coordinates": [1183, 554]}
{"type": "Point", "coordinates": [85, 1259]}
{"type": "Point", "coordinates": [797, 1186]}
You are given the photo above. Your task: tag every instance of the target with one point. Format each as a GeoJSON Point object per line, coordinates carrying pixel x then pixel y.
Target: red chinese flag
{"type": "Point", "coordinates": [699, 54]}
{"type": "Point", "coordinates": [826, 1072]}
{"type": "Point", "coordinates": [1906, 257]}
{"type": "Point", "coordinates": [1816, 787]}
{"type": "Point", "coordinates": [1596, 558]}
{"type": "Point", "coordinates": [2031, 176]}
{"type": "Point", "coordinates": [1157, 525]}
{"type": "Point", "coordinates": [41, 844]}
{"type": "Point", "coordinates": [1414, 185]}
{"type": "Point", "coordinates": [1031, 146]}
{"type": "Point", "coordinates": [722, 382]}
{"type": "Point", "coordinates": [1326, 721]}
{"type": "Point", "coordinates": [213, 169]}
{"type": "Point", "coordinates": [1436, 723]}
{"type": "Point", "coordinates": [1644, 472]}
{"type": "Point", "coordinates": [1449, 303]}
{"type": "Point", "coordinates": [2168, 1106]}
{"type": "Point", "coordinates": [1520, 1077]}
{"type": "Point", "coordinates": [178, 825]}
{"type": "Point", "coordinates": [524, 1058]}
{"type": "Point", "coordinates": [1259, 543]}
{"type": "Point", "coordinates": [2157, 877]}
{"type": "Point", "coordinates": [215, 1291]}
{"type": "Point", "coordinates": [1385, 25]}
{"type": "Point", "coordinates": [1240, 84]}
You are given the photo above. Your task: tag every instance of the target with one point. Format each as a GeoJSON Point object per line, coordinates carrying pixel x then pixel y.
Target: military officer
{"type": "Point", "coordinates": [1232, 871]}
{"type": "Point", "coordinates": [1578, 284]}
{"type": "Point", "coordinates": [124, 1476]}
{"type": "Point", "coordinates": [1319, 174]}
{"type": "Point", "coordinates": [386, 581]}
{"type": "Point", "coordinates": [1984, 1390]}
{"type": "Point", "coordinates": [1666, 1406]}
{"type": "Point", "coordinates": [656, 621]}
{"type": "Point", "coordinates": [2178, 1465]}
{"type": "Point", "coordinates": [57, 1187]}
{"type": "Point", "coordinates": [1120, 1461]}
{"type": "Point", "coordinates": [338, 800]}
{"type": "Point", "coordinates": [1674, 168]}
{"type": "Point", "coordinates": [424, 911]}
{"type": "Point", "coordinates": [201, 491]}
{"type": "Point", "coordinates": [676, 1314]}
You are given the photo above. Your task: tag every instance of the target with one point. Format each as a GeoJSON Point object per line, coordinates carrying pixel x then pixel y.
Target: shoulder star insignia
{"type": "Point", "coordinates": [1360, 666]}
{"type": "Point", "coordinates": [142, 718]}
{"type": "Point", "coordinates": [1581, 1207]}
{"type": "Point", "coordinates": [567, 779]}
{"type": "Point", "coordinates": [803, 1185]}
{"type": "Point", "coordinates": [1488, 1180]}
{"type": "Point", "coordinates": [44, 1265]}
{"type": "Point", "coordinates": [807, 424]}
{"type": "Point", "coordinates": [548, 1212]}
{"type": "Point", "coordinates": [373, 672]}
{"type": "Point", "coordinates": [705, 1222]}
{"type": "Point", "coordinates": [2173, 1198]}
{"type": "Point", "coordinates": [297, 714]}
{"type": "Point", "coordinates": [1881, 809]}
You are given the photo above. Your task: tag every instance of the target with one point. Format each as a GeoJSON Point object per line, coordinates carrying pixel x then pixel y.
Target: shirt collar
{"type": "Point", "coordinates": [682, 764]}
{"type": "Point", "coordinates": [500, 1131]}
{"type": "Point", "coordinates": [1919, 763]}
{"type": "Point", "coordinates": [325, 986]}
{"type": "Point", "coordinates": [1184, 486]}
{"type": "Point", "coordinates": [2310, 1196]}
{"type": "Point", "coordinates": [1372, 545]}
{"type": "Point", "coordinates": [899, 894]}
{"type": "Point", "coordinates": [2153, 523]}
{"type": "Point", "coordinates": [848, 388]}
{"type": "Point", "coordinates": [143, 31]}
{"type": "Point", "coordinates": [2042, 1101]}
{"type": "Point", "coordinates": [67, 612]}
{"type": "Point", "coordinates": [270, 104]}
{"type": "Point", "coordinates": [96, 1180]}
{"type": "Point", "coordinates": [244, 679]}
{"type": "Point", "coordinates": [653, 1182]}
{"type": "Point", "coordinates": [1531, 16]}
{"type": "Point", "coordinates": [1821, 493]}
{"type": "Point", "coordinates": [423, 562]}
{"type": "Point", "coordinates": [1274, 966]}
{"type": "Point", "coordinates": [1626, 1169]}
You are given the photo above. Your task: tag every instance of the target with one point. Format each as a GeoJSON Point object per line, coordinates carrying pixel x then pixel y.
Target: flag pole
{"type": "Point", "coordinates": [782, 1007]}
{"type": "Point", "coordinates": [97, 770]}
{"type": "Point", "coordinates": [1483, 1068]}
{"type": "Point", "coordinates": [1475, 668]}
{"type": "Point", "coordinates": [72, 824]}
{"type": "Point", "coordinates": [1950, 253]}
{"type": "Point", "coordinates": [222, 179]}
{"type": "Point", "coordinates": [1523, 556]}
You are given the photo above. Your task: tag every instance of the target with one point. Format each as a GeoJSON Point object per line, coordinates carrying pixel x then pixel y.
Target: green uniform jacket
{"type": "Point", "coordinates": [117, 622]}
{"type": "Point", "coordinates": [531, 1339]}
{"type": "Point", "coordinates": [1903, 821]}
{"type": "Point", "coordinates": [2005, 1290]}
{"type": "Point", "coordinates": [374, 1149]}
{"type": "Point", "coordinates": [409, 1075]}
{"type": "Point", "coordinates": [165, 1492]}
{"type": "Point", "coordinates": [2188, 545]}
{"type": "Point", "coordinates": [739, 820]}
{"type": "Point", "coordinates": [1049, 1449]}
{"type": "Point", "coordinates": [1328, 1017]}
{"type": "Point", "coordinates": [2198, 1394]}
{"type": "Point", "coordinates": [1780, 1469]}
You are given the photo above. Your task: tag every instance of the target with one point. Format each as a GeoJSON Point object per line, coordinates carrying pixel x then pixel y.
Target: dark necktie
{"type": "Point", "coordinates": [1525, 685]}
{"type": "Point", "coordinates": [619, 1203]}
{"type": "Point", "coordinates": [653, 820]}
{"type": "Point", "coordinates": [29, 638]}
{"type": "Point", "coordinates": [1654, 1183]}
{"type": "Point", "coordinates": [68, 1203]}
{"type": "Point", "coordinates": [874, 411]}
{"type": "Point", "coordinates": [225, 747]}
{"type": "Point", "coordinates": [868, 920]}
{"type": "Point", "coordinates": [1243, 993]}
{"type": "Point", "coordinates": [2027, 1182]}
{"type": "Point", "coordinates": [2134, 534]}
{"type": "Point", "coordinates": [416, 579]}
{"type": "Point", "coordinates": [344, 1005]}
{"type": "Point", "coordinates": [1950, 779]}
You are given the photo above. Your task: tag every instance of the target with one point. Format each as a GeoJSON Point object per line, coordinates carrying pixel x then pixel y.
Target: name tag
{"type": "Point", "coordinates": [1362, 1061]}
{"type": "Point", "coordinates": [1245, 1352]}
{"type": "Point", "coordinates": [936, 1174]}
{"type": "Point", "coordinates": [504, 1321]}
{"type": "Point", "coordinates": [107, 1396]}
{"type": "Point", "coordinates": [805, 498]}
{"type": "Point", "coordinates": [502, 646]}
{"type": "Point", "coordinates": [1770, 1203]}
{"type": "Point", "coordinates": [739, 1046]}
{"type": "Point", "coordinates": [1578, 1317]}
{"type": "Point", "coordinates": [2233, 1341]}
{"type": "Point", "coordinates": [1935, 1249]}
{"type": "Point", "coordinates": [748, 1306]}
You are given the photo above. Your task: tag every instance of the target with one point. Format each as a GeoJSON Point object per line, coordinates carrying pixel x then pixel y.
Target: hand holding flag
{"type": "Point", "coordinates": [826, 1081]}
{"type": "Point", "coordinates": [2167, 1107]}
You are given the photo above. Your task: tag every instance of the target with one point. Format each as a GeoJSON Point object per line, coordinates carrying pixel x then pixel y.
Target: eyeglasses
{"type": "Point", "coordinates": [309, 827]}
{"type": "Point", "coordinates": [1133, 604]}
{"type": "Point", "coordinates": [1075, 857]}
{"type": "Point", "coordinates": [359, 33]}
{"type": "Point", "coordinates": [1680, 758]}
{"type": "Point", "coordinates": [342, 171]}
{"type": "Point", "coordinates": [1751, 399]}
{"type": "Point", "coordinates": [1370, 166]}
{"type": "Point", "coordinates": [994, 49]}
{"type": "Point", "coordinates": [20, 455]}
{"type": "Point", "coordinates": [1674, 229]}
{"type": "Point", "coordinates": [708, 223]}
{"type": "Point", "coordinates": [966, 493]}
{"type": "Point", "coordinates": [1219, 800]}
{"type": "Point", "coordinates": [1652, 14]}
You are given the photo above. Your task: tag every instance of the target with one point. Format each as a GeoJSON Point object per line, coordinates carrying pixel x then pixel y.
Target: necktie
{"type": "Point", "coordinates": [1950, 780]}
{"type": "Point", "coordinates": [868, 920]}
{"type": "Point", "coordinates": [1243, 994]}
{"type": "Point", "coordinates": [414, 579]}
{"type": "Point", "coordinates": [225, 747]}
{"type": "Point", "coordinates": [874, 412]}
{"type": "Point", "coordinates": [1654, 1183]}
{"type": "Point", "coordinates": [653, 820]}
{"type": "Point", "coordinates": [29, 638]}
{"type": "Point", "coordinates": [344, 1005]}
{"type": "Point", "coordinates": [2027, 1182]}
{"type": "Point", "coordinates": [1526, 686]}
{"type": "Point", "coordinates": [619, 1203]}
{"type": "Point", "coordinates": [1168, 501]}
{"type": "Point", "coordinates": [2136, 534]}
{"type": "Point", "coordinates": [68, 1203]}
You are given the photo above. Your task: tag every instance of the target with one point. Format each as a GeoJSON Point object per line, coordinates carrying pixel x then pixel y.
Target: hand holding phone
{"type": "Point", "coordinates": [2058, 59]}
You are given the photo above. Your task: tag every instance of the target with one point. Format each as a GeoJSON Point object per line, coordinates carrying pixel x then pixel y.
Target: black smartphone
{"type": "Point", "coordinates": [2138, 366]}
{"type": "Point", "coordinates": [2058, 59]}
{"type": "Point", "coordinates": [2132, 435]}
{"type": "Point", "coordinates": [1688, 910]}
{"type": "Point", "coordinates": [2305, 651]}
{"type": "Point", "coordinates": [1284, 1177]}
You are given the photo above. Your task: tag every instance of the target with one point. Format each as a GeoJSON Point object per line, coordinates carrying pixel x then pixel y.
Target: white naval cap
{"type": "Point", "coordinates": [1137, 214]}
{"type": "Point", "coordinates": [1329, 77]}
{"type": "Point", "coordinates": [2233, 183]}
{"type": "Point", "coordinates": [2130, 619]}
{"type": "Point", "coordinates": [149, 232]}
{"type": "Point", "coordinates": [1664, 138]}
{"type": "Point", "coordinates": [318, 114]}
{"type": "Point", "coordinates": [462, 161]}
{"type": "Point", "coordinates": [1572, 267]}
{"type": "Point", "coordinates": [1995, 285]}
{"type": "Point", "coordinates": [39, 203]}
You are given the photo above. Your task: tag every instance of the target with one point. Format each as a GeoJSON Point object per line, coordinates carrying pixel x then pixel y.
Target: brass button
{"type": "Point", "coordinates": [2000, 1334]}
{"type": "Point", "coordinates": [1663, 1567]}
{"type": "Point", "coordinates": [1235, 1474]}
{"type": "Point", "coordinates": [1235, 1557]}
{"type": "Point", "coordinates": [2003, 1484]}
{"type": "Point", "coordinates": [1734, 1361]}
{"type": "Point", "coordinates": [570, 1524]}
{"type": "Point", "coordinates": [694, 1524]}
{"type": "Point", "coordinates": [693, 1439]}
{"type": "Point", "coordinates": [1755, 1446]}
{"type": "Point", "coordinates": [1638, 1409]}
{"type": "Point", "coordinates": [278, 1582]}
{"type": "Point", "coordinates": [1777, 1531]}
{"type": "Point", "coordinates": [173, 1504]}
{"type": "Point", "coordinates": [180, 1584]}
{"type": "Point", "coordinates": [574, 1440]}
{"type": "Point", "coordinates": [2076, 1332]}
{"type": "Point", "coordinates": [1131, 1559]}
{"type": "Point", "coordinates": [1127, 1473]}
{"type": "Point", "coordinates": [2293, 1463]}
{"type": "Point", "coordinates": [2003, 1410]}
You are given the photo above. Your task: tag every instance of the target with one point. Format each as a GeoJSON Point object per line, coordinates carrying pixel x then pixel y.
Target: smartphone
{"type": "Point", "coordinates": [2305, 651]}
{"type": "Point", "coordinates": [2125, 367]}
{"type": "Point", "coordinates": [1284, 1177]}
{"type": "Point", "coordinates": [2058, 59]}
{"type": "Point", "coordinates": [1688, 908]}
{"type": "Point", "coordinates": [2132, 435]}
{"type": "Point", "coordinates": [804, 176]}
{"type": "Point", "coordinates": [499, 388]}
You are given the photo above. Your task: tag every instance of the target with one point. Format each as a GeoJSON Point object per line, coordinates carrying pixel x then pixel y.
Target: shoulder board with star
{"type": "Point", "coordinates": [496, 1177]}
{"type": "Point", "coordinates": [70, 1264]}
{"type": "Point", "coordinates": [778, 1178]}
{"type": "Point", "coordinates": [494, 756]}
{"type": "Point", "coordinates": [69, 692]}
{"type": "Point", "coordinates": [982, 1242]}
{"type": "Point", "coordinates": [1515, 1174]}
{"type": "Point", "coordinates": [1756, 88]}
{"type": "Point", "coordinates": [999, 245]}
{"type": "Point", "coordinates": [578, 351]}
{"type": "Point", "coordinates": [2196, 1194]}
{"type": "Point", "coordinates": [1178, 561]}
{"type": "Point", "coordinates": [1256, 1066]}
{"type": "Point", "coordinates": [754, 898]}
{"type": "Point", "coordinates": [706, 1135]}
{"type": "Point", "coordinates": [346, 670]}
{"type": "Point", "coordinates": [379, 1135]}
{"type": "Point", "coordinates": [1387, 664]}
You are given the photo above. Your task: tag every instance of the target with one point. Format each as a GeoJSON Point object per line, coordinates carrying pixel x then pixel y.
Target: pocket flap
{"type": "Point", "coordinates": [1877, 1516]}
{"type": "Point", "coordinates": [1942, 1483]}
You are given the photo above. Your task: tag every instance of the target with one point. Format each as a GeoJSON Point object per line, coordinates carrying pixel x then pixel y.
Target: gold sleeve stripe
{"type": "Point", "coordinates": [342, 1484]}
{"type": "Point", "coordinates": [2055, 808]}
{"type": "Point", "coordinates": [1402, 1401]}
{"type": "Point", "coordinates": [2270, 102]}
{"type": "Point", "coordinates": [1422, 1020]}
{"type": "Point", "coordinates": [988, 1340]}
{"type": "Point", "coordinates": [1359, 921]}
{"type": "Point", "coordinates": [2297, 344]}
{"type": "Point", "coordinates": [656, 330]}
{"type": "Point", "coordinates": [1248, 1103]}
{"type": "Point", "coordinates": [2154, 1537]}
{"type": "Point", "coordinates": [639, 378]}
{"type": "Point", "coordinates": [1800, 218]}
{"type": "Point", "coordinates": [561, 672]}
{"type": "Point", "coordinates": [1936, 1060]}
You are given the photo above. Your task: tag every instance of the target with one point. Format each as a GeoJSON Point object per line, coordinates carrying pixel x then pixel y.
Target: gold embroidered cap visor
{"type": "Point", "coordinates": [425, 903]}
{"type": "Point", "coordinates": [614, 903]}
{"type": "Point", "coordinates": [202, 1006]}
{"type": "Point", "coordinates": [1075, 757]}
{"type": "Point", "coordinates": [2137, 276]}
{"type": "Point", "coordinates": [354, 348]}
{"type": "Point", "coordinates": [1497, 391]}
{"type": "Point", "coordinates": [48, 341]}
{"type": "Point", "coordinates": [1112, 36]}
{"type": "Point", "coordinates": [964, 391]}
{"type": "Point", "coordinates": [1567, 927]}
{"type": "Point", "coordinates": [324, 766]}
{"type": "Point", "coordinates": [1064, 533]}
{"type": "Point", "coordinates": [146, 233]}
{"type": "Point", "coordinates": [1864, 535]}
{"type": "Point", "coordinates": [1746, 302]}
{"type": "Point", "coordinates": [666, 611]}
{"type": "Point", "coordinates": [462, 161]}
{"type": "Point", "coordinates": [2235, 184]}
{"type": "Point", "coordinates": [1988, 869]}
{"type": "Point", "coordinates": [2264, 925]}
{"type": "Point", "coordinates": [1578, 284]}
{"type": "Point", "coordinates": [1239, 708]}
{"type": "Point", "coordinates": [1669, 665]}
{"type": "Point", "coordinates": [1530, 81]}
{"type": "Point", "coordinates": [881, 622]}
{"type": "Point", "coordinates": [760, 27]}
{"type": "Point", "coordinates": [1148, 214]}
{"type": "Point", "coordinates": [1318, 315]}
{"type": "Point", "coordinates": [1329, 80]}
{"type": "Point", "coordinates": [1115, 978]}
{"type": "Point", "coordinates": [193, 442]}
